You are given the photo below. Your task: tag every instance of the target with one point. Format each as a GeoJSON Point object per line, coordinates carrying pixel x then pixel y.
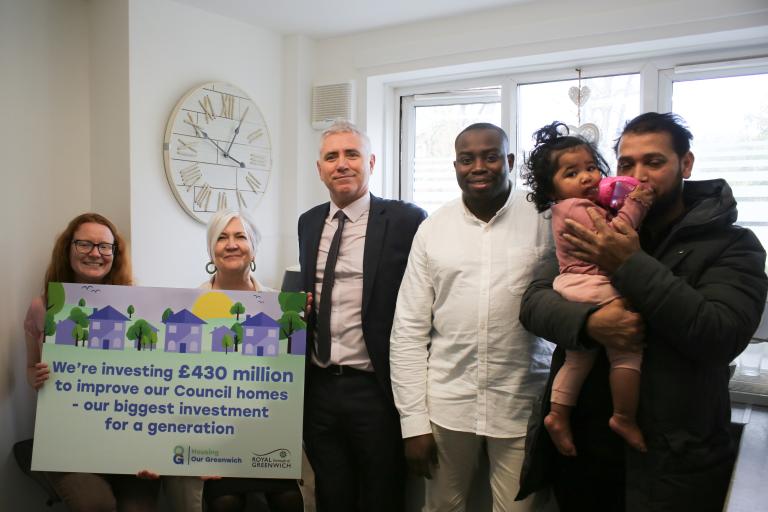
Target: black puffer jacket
{"type": "Point", "coordinates": [701, 294]}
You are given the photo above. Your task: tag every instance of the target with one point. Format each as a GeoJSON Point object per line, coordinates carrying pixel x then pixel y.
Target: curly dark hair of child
{"type": "Point", "coordinates": [542, 162]}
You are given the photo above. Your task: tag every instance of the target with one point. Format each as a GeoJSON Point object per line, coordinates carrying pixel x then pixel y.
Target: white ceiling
{"type": "Point", "coordinates": [327, 18]}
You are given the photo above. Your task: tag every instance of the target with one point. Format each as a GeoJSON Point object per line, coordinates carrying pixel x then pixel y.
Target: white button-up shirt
{"type": "Point", "coordinates": [459, 355]}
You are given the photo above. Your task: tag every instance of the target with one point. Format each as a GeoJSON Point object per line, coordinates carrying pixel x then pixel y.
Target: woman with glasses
{"type": "Point", "coordinates": [89, 251]}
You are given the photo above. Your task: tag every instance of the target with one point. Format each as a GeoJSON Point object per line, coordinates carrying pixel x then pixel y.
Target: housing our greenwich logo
{"type": "Point", "coordinates": [188, 455]}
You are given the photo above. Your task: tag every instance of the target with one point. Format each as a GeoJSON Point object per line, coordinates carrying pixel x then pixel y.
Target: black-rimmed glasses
{"type": "Point", "coordinates": [85, 247]}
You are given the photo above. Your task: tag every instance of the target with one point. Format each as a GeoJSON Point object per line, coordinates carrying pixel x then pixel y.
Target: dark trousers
{"type": "Point", "coordinates": [667, 480]}
{"type": "Point", "coordinates": [353, 441]}
{"type": "Point", "coordinates": [661, 480]}
{"type": "Point", "coordinates": [594, 480]}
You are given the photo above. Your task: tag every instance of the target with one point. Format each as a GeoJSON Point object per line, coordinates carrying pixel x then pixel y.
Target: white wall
{"type": "Point", "coordinates": [174, 48]}
{"type": "Point", "coordinates": [110, 111]}
{"type": "Point", "coordinates": [44, 166]}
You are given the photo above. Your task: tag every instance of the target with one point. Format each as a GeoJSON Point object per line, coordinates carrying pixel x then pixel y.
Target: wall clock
{"type": "Point", "coordinates": [217, 151]}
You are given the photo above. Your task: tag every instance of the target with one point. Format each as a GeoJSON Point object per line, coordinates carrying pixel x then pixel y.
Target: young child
{"type": "Point", "coordinates": [564, 173]}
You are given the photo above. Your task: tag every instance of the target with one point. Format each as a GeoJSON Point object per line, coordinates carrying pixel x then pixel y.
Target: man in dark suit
{"type": "Point", "coordinates": [353, 251]}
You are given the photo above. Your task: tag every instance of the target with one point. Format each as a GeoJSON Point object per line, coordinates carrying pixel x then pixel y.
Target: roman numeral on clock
{"type": "Point", "coordinates": [254, 183]}
{"type": "Point", "coordinates": [207, 107]}
{"type": "Point", "coordinates": [221, 203]}
{"type": "Point", "coordinates": [186, 148]}
{"type": "Point", "coordinates": [241, 200]}
{"type": "Point", "coordinates": [255, 135]}
{"type": "Point", "coordinates": [204, 196]}
{"type": "Point", "coordinates": [190, 175]}
{"type": "Point", "coordinates": [227, 105]}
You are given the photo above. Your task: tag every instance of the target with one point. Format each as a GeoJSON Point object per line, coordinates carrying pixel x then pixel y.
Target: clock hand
{"type": "Point", "coordinates": [238, 162]}
{"type": "Point", "coordinates": [206, 137]}
{"type": "Point", "coordinates": [237, 130]}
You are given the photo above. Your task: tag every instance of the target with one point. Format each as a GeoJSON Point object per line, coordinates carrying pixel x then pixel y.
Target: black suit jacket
{"type": "Point", "coordinates": [388, 237]}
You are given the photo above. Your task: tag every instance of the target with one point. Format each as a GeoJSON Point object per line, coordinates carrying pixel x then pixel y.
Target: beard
{"type": "Point", "coordinates": [666, 202]}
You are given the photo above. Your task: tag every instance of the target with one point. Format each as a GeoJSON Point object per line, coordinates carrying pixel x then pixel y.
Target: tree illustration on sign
{"type": "Point", "coordinates": [79, 333]}
{"type": "Point", "coordinates": [292, 305]}
{"type": "Point", "coordinates": [81, 321]}
{"type": "Point", "coordinates": [168, 312]}
{"type": "Point", "coordinates": [141, 332]}
{"type": "Point", "coordinates": [227, 342]}
{"type": "Point", "coordinates": [56, 297]}
{"type": "Point", "coordinates": [131, 310]}
{"type": "Point", "coordinates": [238, 330]}
{"type": "Point", "coordinates": [237, 309]}
{"type": "Point", "coordinates": [49, 328]}
{"type": "Point", "coordinates": [81, 303]}
{"type": "Point", "coordinates": [149, 340]}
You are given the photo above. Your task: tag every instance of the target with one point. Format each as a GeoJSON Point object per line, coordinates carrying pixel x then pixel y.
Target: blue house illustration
{"type": "Point", "coordinates": [64, 332]}
{"type": "Point", "coordinates": [261, 336]}
{"type": "Point", "coordinates": [216, 336]}
{"type": "Point", "coordinates": [183, 333]}
{"type": "Point", "coordinates": [106, 329]}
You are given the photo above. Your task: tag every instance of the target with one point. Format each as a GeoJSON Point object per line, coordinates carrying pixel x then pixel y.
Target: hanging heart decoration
{"type": "Point", "coordinates": [588, 131]}
{"type": "Point", "coordinates": [579, 95]}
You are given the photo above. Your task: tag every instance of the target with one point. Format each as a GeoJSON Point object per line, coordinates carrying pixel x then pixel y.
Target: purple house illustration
{"type": "Point", "coordinates": [183, 333]}
{"type": "Point", "coordinates": [106, 329]}
{"type": "Point", "coordinates": [64, 332]}
{"type": "Point", "coordinates": [261, 336]}
{"type": "Point", "coordinates": [216, 336]}
{"type": "Point", "coordinates": [298, 342]}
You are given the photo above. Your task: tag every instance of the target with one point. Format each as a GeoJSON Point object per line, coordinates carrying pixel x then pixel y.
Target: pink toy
{"type": "Point", "coordinates": [613, 190]}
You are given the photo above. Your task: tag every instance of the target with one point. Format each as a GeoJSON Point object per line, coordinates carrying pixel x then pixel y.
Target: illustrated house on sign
{"type": "Point", "coordinates": [183, 333]}
{"type": "Point", "coordinates": [216, 336]}
{"type": "Point", "coordinates": [106, 329]}
{"type": "Point", "coordinates": [64, 332]}
{"type": "Point", "coordinates": [299, 342]}
{"type": "Point", "coordinates": [260, 336]}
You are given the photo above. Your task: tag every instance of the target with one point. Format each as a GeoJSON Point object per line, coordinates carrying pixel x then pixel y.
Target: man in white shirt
{"type": "Point", "coordinates": [353, 251]}
{"type": "Point", "coordinates": [465, 373]}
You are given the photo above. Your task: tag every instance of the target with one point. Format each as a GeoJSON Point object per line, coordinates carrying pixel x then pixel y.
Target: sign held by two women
{"type": "Point", "coordinates": [176, 381]}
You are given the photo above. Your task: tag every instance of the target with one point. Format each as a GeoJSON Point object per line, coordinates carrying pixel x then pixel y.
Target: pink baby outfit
{"type": "Point", "coordinates": [580, 281]}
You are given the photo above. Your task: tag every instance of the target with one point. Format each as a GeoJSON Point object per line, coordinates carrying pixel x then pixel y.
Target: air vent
{"type": "Point", "coordinates": [331, 102]}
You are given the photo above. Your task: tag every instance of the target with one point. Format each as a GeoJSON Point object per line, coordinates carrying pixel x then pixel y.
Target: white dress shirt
{"type": "Point", "coordinates": [459, 355]}
{"type": "Point", "coordinates": [347, 343]}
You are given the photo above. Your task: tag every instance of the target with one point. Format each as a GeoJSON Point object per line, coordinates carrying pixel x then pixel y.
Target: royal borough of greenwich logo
{"type": "Point", "coordinates": [278, 459]}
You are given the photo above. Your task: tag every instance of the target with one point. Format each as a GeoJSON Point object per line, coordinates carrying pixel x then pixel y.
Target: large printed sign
{"type": "Point", "coordinates": [176, 381]}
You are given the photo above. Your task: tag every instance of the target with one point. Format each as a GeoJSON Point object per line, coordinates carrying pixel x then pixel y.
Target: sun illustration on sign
{"type": "Point", "coordinates": [212, 305]}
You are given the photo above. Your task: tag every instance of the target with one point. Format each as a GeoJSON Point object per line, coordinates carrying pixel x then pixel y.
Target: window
{"type": "Point", "coordinates": [728, 117]}
{"type": "Point", "coordinates": [96, 325]}
{"type": "Point", "coordinates": [609, 102]}
{"type": "Point", "coordinates": [432, 122]}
